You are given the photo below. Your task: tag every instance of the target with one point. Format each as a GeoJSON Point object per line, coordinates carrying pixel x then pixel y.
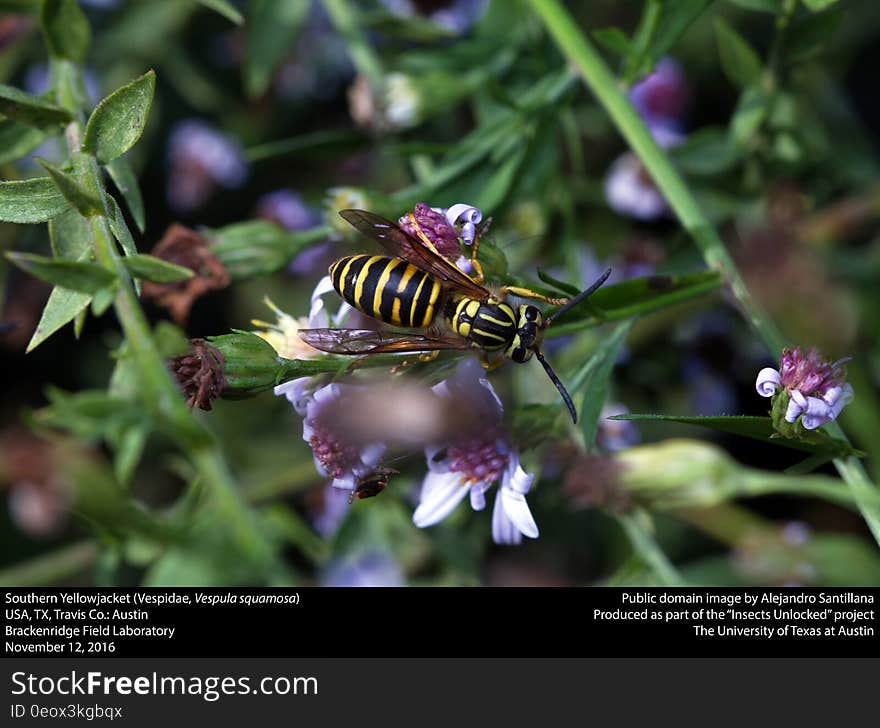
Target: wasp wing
{"type": "Point", "coordinates": [401, 244]}
{"type": "Point", "coordinates": [359, 342]}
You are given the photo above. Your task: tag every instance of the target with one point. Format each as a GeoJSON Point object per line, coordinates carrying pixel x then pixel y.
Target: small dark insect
{"type": "Point", "coordinates": [373, 484]}
{"type": "Point", "coordinates": [415, 287]}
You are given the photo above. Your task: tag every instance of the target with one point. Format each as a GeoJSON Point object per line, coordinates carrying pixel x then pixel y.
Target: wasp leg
{"type": "Point", "coordinates": [406, 363]}
{"type": "Point", "coordinates": [529, 293]}
{"type": "Point", "coordinates": [478, 276]}
{"type": "Point", "coordinates": [490, 365]}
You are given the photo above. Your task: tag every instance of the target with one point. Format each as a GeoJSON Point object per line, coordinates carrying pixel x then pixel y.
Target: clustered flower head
{"type": "Point", "coordinates": [444, 228]}
{"type": "Point", "coordinates": [816, 389]}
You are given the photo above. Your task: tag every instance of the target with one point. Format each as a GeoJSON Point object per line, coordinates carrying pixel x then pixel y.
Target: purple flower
{"type": "Point", "coordinates": [201, 158]}
{"type": "Point", "coordinates": [456, 16]}
{"type": "Point", "coordinates": [374, 568]}
{"type": "Point", "coordinates": [662, 96]}
{"type": "Point", "coordinates": [472, 464]}
{"type": "Point", "coordinates": [629, 189]}
{"type": "Point", "coordinates": [433, 225]}
{"type": "Point", "coordinates": [816, 388]}
{"type": "Point", "coordinates": [328, 514]}
{"type": "Point", "coordinates": [287, 209]}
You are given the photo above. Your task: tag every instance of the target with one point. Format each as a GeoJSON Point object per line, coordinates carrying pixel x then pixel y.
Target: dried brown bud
{"type": "Point", "coordinates": [185, 247]}
{"type": "Point", "coordinates": [200, 374]}
{"type": "Point", "coordinates": [592, 482]}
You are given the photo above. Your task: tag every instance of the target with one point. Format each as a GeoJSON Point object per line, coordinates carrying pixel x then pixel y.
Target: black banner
{"type": "Point", "coordinates": [421, 622]}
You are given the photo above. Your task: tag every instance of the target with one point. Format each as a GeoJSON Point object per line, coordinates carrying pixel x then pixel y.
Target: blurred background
{"type": "Point", "coordinates": [309, 107]}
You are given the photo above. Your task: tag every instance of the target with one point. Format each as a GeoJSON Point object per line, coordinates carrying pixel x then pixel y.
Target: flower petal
{"type": "Point", "coordinates": [478, 495]}
{"type": "Point", "coordinates": [503, 529]}
{"type": "Point", "coordinates": [296, 392]}
{"type": "Point", "coordinates": [516, 508]}
{"type": "Point", "coordinates": [816, 413]}
{"type": "Point", "coordinates": [767, 382]}
{"type": "Point", "coordinates": [317, 313]}
{"type": "Point", "coordinates": [441, 493]}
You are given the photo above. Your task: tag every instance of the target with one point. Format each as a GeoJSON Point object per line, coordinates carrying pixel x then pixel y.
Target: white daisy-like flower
{"type": "Point", "coordinates": [471, 466]}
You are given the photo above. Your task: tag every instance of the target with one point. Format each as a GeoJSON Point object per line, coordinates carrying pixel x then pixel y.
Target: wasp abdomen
{"type": "Point", "coordinates": [389, 289]}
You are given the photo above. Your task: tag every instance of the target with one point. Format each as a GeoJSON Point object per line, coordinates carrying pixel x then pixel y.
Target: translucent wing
{"type": "Point", "coordinates": [358, 342]}
{"type": "Point", "coordinates": [399, 243]}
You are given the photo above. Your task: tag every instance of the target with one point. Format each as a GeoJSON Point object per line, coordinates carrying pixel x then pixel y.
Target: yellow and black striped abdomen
{"type": "Point", "coordinates": [389, 289]}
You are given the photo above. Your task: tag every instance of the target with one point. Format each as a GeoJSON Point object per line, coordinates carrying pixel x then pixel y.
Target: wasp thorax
{"type": "Point", "coordinates": [478, 460]}
{"type": "Point", "coordinates": [529, 327]}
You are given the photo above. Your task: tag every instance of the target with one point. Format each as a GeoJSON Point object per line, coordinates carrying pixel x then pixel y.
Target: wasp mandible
{"type": "Point", "coordinates": [415, 287]}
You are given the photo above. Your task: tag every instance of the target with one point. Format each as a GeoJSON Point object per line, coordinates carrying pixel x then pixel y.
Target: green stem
{"type": "Point", "coordinates": [597, 76]}
{"type": "Point", "coordinates": [345, 20]}
{"type": "Point", "coordinates": [161, 394]}
{"type": "Point", "coordinates": [61, 565]}
{"type": "Point", "coordinates": [648, 549]}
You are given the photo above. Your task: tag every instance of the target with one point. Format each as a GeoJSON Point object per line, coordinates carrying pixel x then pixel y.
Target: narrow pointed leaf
{"type": "Point", "coordinates": [63, 306]}
{"type": "Point", "coordinates": [126, 182]}
{"type": "Point", "coordinates": [78, 196]}
{"type": "Point", "coordinates": [70, 236]}
{"type": "Point", "coordinates": [739, 61]}
{"type": "Point", "coordinates": [230, 12]}
{"type": "Point", "coordinates": [119, 120]}
{"type": "Point", "coordinates": [150, 268]}
{"type": "Point", "coordinates": [16, 140]}
{"type": "Point", "coordinates": [31, 110]}
{"type": "Point", "coordinates": [30, 200]}
{"type": "Point", "coordinates": [66, 29]}
{"type": "Point", "coordinates": [75, 275]}
{"type": "Point", "coordinates": [272, 29]}
{"type": "Point", "coordinates": [757, 428]}
{"type": "Point", "coordinates": [595, 378]}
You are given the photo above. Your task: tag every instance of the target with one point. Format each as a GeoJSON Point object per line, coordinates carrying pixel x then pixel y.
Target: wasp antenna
{"type": "Point", "coordinates": [559, 385]}
{"type": "Point", "coordinates": [579, 298]}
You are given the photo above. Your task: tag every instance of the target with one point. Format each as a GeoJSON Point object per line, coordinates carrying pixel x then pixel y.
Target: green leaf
{"type": "Point", "coordinates": [78, 196]}
{"type": "Point", "coordinates": [66, 29]}
{"type": "Point", "coordinates": [124, 178]}
{"type": "Point", "coordinates": [70, 236]}
{"type": "Point", "coordinates": [639, 529]}
{"type": "Point", "coordinates": [595, 377]}
{"type": "Point", "coordinates": [31, 110]}
{"type": "Point", "coordinates": [817, 5]}
{"type": "Point", "coordinates": [120, 230]}
{"type": "Point", "coordinates": [635, 297]}
{"type": "Point", "coordinates": [20, 7]}
{"type": "Point", "coordinates": [751, 111]}
{"type": "Point", "coordinates": [810, 33]}
{"type": "Point", "coordinates": [230, 12]}
{"type": "Point", "coordinates": [63, 306]}
{"type": "Point", "coordinates": [149, 268]}
{"type": "Point", "coordinates": [272, 29]}
{"type": "Point", "coordinates": [739, 61]}
{"type": "Point", "coordinates": [761, 6]}
{"type": "Point", "coordinates": [119, 120]}
{"type": "Point", "coordinates": [103, 299]}
{"type": "Point", "coordinates": [614, 40]}
{"type": "Point", "coordinates": [30, 200]}
{"type": "Point", "coordinates": [675, 18]}
{"type": "Point", "coordinates": [128, 447]}
{"type": "Point", "coordinates": [757, 428]}
{"type": "Point", "coordinates": [75, 275]}
{"type": "Point", "coordinates": [16, 140]}
{"type": "Point", "coordinates": [706, 151]}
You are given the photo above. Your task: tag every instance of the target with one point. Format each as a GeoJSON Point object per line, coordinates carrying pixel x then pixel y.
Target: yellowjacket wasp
{"type": "Point", "coordinates": [415, 287]}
